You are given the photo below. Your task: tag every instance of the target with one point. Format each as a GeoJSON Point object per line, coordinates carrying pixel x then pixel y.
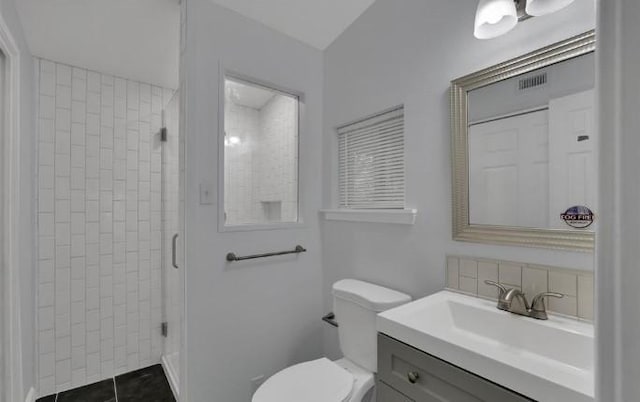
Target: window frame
{"type": "Point", "coordinates": [244, 78]}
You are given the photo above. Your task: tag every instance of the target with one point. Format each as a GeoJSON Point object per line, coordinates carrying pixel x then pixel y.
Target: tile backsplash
{"type": "Point", "coordinates": [467, 275]}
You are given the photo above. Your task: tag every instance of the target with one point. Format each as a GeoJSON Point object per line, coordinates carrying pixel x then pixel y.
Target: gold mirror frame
{"type": "Point", "coordinates": [463, 230]}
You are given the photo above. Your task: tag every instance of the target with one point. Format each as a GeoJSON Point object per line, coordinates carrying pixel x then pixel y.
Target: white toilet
{"type": "Point", "coordinates": [349, 379]}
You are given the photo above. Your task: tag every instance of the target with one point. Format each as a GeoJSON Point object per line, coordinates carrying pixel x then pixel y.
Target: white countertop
{"type": "Point", "coordinates": [550, 360]}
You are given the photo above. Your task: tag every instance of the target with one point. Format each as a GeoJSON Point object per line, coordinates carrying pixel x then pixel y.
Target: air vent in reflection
{"type": "Point", "coordinates": [532, 81]}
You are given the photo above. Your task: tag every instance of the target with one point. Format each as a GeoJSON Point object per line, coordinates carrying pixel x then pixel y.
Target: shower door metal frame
{"type": "Point", "coordinates": [169, 259]}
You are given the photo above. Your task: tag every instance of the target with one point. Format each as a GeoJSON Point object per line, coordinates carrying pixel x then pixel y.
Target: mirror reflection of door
{"type": "Point", "coordinates": [532, 147]}
{"type": "Point", "coordinates": [572, 159]}
{"type": "Point", "coordinates": [508, 169]}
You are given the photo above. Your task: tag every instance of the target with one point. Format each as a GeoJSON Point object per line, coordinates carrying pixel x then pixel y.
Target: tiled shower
{"type": "Point", "coordinates": [100, 224]}
{"type": "Point", "coordinates": [261, 141]}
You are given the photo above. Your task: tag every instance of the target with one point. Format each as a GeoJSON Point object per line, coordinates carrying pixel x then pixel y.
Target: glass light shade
{"type": "Point", "coordinates": [495, 18]}
{"type": "Point", "coordinates": [537, 8]}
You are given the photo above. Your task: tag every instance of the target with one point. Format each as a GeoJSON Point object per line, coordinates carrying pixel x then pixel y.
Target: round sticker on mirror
{"type": "Point", "coordinates": [579, 217]}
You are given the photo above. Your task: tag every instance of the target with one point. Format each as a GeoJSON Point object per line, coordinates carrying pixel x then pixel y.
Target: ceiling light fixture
{"type": "Point", "coordinates": [497, 17]}
{"type": "Point", "coordinates": [231, 141]}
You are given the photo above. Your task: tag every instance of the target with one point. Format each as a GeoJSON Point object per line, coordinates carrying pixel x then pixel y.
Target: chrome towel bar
{"type": "Point", "coordinates": [231, 257]}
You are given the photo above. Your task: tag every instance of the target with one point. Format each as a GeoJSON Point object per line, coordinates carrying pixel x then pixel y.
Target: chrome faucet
{"type": "Point", "coordinates": [515, 301]}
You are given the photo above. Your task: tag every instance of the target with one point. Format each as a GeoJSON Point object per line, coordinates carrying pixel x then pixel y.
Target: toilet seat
{"type": "Point", "coordinates": [316, 381]}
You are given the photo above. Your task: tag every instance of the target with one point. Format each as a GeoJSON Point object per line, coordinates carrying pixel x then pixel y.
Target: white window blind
{"type": "Point", "coordinates": [371, 166]}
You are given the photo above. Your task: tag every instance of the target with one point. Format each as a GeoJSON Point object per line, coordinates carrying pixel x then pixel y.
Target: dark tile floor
{"type": "Point", "coordinates": [145, 385]}
{"type": "Point", "coordinates": [148, 384]}
{"type": "Point", "coordinates": [102, 391]}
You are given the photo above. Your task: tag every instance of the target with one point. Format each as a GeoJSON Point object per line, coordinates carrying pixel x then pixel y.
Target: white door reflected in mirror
{"type": "Point", "coordinates": [532, 147]}
{"type": "Point", "coordinates": [572, 158]}
{"type": "Point", "coordinates": [525, 170]}
{"type": "Point", "coordinates": [508, 171]}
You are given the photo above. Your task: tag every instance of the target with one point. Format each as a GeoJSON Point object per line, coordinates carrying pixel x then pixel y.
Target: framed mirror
{"type": "Point", "coordinates": [524, 149]}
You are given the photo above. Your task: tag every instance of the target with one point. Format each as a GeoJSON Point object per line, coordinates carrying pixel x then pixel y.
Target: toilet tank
{"type": "Point", "coordinates": [356, 304]}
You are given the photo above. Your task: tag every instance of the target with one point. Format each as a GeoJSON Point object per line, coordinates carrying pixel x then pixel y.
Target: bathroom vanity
{"type": "Point", "coordinates": [454, 347]}
{"type": "Point", "coordinates": [516, 128]}
{"type": "Point", "coordinates": [408, 374]}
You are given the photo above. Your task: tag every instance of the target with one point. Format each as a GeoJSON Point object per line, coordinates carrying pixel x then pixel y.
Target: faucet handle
{"type": "Point", "coordinates": [538, 301]}
{"type": "Point", "coordinates": [538, 308]}
{"type": "Point", "coordinates": [500, 287]}
{"type": "Point", "coordinates": [502, 304]}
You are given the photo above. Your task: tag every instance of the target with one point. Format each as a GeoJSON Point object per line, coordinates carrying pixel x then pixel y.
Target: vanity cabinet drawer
{"type": "Point", "coordinates": [388, 394]}
{"type": "Point", "coordinates": [425, 378]}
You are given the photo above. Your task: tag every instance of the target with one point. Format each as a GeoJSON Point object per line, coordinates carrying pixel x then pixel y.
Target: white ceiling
{"type": "Point", "coordinates": [315, 22]}
{"type": "Point", "coordinates": [139, 39]}
{"type": "Point", "coordinates": [247, 95]}
{"type": "Point", "coordinates": [136, 39]}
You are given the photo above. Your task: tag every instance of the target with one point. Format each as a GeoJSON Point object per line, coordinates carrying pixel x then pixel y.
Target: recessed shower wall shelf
{"type": "Point", "coordinates": [232, 257]}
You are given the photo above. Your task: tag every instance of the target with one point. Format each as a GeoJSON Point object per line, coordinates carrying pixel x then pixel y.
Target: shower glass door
{"type": "Point", "coordinates": [172, 268]}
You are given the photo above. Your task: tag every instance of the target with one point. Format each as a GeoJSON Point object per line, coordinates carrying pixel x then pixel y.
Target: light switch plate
{"type": "Point", "coordinates": [206, 193]}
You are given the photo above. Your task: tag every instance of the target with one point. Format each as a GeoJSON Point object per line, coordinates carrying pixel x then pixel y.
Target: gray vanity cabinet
{"type": "Point", "coordinates": [388, 394]}
{"type": "Point", "coordinates": [424, 378]}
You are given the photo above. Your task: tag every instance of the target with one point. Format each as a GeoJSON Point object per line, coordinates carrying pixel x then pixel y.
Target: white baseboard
{"type": "Point", "coordinates": [31, 395]}
{"type": "Point", "coordinates": [172, 376]}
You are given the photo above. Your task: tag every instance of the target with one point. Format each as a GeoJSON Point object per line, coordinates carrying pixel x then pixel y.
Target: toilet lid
{"type": "Point", "coordinates": [316, 381]}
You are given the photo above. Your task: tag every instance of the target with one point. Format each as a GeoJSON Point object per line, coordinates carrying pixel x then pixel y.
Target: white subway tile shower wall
{"type": "Point", "coordinates": [261, 168]}
{"type": "Point", "coordinates": [99, 225]}
{"type": "Point", "coordinates": [467, 275]}
{"type": "Point", "coordinates": [276, 165]}
{"type": "Point", "coordinates": [241, 122]}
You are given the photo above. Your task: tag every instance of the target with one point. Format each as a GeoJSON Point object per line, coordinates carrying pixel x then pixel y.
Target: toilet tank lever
{"type": "Point", "coordinates": [331, 319]}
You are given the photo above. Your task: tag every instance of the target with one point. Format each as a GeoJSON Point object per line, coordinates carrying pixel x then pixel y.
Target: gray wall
{"type": "Point", "coordinates": [26, 220]}
{"type": "Point", "coordinates": [253, 318]}
{"type": "Point", "coordinates": [407, 53]}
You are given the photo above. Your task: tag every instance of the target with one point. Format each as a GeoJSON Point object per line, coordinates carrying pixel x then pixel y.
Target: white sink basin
{"type": "Point", "coordinates": [548, 360]}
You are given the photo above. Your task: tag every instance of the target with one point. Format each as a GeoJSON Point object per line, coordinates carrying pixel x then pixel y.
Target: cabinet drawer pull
{"type": "Point", "coordinates": [413, 376]}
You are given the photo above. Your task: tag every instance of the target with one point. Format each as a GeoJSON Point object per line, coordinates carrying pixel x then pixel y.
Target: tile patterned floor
{"type": "Point", "coordinates": [145, 385]}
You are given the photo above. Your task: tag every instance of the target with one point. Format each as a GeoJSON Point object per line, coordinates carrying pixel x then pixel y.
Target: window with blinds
{"type": "Point", "coordinates": [371, 165]}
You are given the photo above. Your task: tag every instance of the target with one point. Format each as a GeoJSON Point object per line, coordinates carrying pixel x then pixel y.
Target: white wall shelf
{"type": "Point", "coordinates": [395, 216]}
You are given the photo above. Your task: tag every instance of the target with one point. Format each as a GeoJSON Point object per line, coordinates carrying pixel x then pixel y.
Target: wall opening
{"type": "Point", "coordinates": [260, 154]}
